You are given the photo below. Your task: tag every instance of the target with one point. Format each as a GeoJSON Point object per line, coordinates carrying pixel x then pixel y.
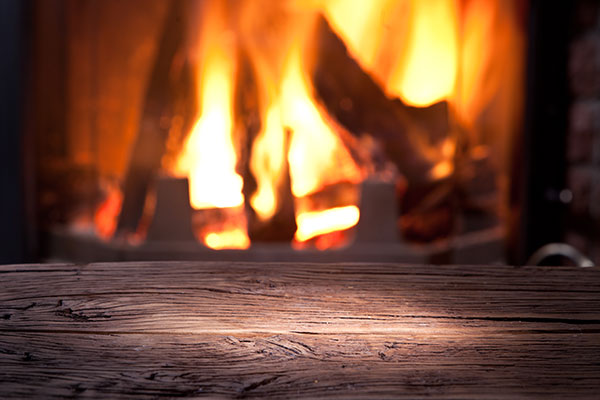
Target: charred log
{"type": "Point", "coordinates": [149, 146]}
{"type": "Point", "coordinates": [352, 96]}
{"type": "Point", "coordinates": [281, 227]}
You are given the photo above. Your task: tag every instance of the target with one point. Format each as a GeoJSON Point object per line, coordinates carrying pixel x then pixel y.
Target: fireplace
{"type": "Point", "coordinates": [299, 130]}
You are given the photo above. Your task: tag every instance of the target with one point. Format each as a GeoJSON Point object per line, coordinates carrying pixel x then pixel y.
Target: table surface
{"type": "Point", "coordinates": [189, 329]}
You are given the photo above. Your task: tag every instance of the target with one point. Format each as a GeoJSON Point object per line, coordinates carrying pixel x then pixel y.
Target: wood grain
{"type": "Point", "coordinates": [213, 329]}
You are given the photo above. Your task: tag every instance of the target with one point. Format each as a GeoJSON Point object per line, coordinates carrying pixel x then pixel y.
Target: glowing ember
{"type": "Point", "coordinates": [445, 166]}
{"type": "Point", "coordinates": [105, 218]}
{"type": "Point", "coordinates": [230, 239]}
{"type": "Point", "coordinates": [314, 223]}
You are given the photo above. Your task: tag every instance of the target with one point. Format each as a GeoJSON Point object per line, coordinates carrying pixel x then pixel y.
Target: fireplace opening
{"type": "Point", "coordinates": [298, 130]}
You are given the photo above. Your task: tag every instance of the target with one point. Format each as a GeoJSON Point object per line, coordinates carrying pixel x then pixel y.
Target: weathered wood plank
{"type": "Point", "coordinates": [312, 330]}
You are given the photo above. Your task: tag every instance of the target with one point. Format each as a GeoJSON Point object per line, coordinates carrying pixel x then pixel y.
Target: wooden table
{"type": "Point", "coordinates": [147, 330]}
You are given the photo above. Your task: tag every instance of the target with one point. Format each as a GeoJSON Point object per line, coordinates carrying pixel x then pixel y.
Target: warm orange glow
{"type": "Point", "coordinates": [267, 164]}
{"type": "Point", "coordinates": [105, 218]}
{"type": "Point", "coordinates": [317, 156]}
{"type": "Point", "coordinates": [209, 157]}
{"type": "Point", "coordinates": [476, 53]}
{"type": "Point", "coordinates": [428, 73]}
{"type": "Point", "coordinates": [409, 46]}
{"type": "Point", "coordinates": [362, 25]}
{"type": "Point", "coordinates": [412, 49]}
{"type": "Point", "coordinates": [231, 239]}
{"type": "Point", "coordinates": [314, 223]}
{"type": "Point", "coordinates": [445, 165]}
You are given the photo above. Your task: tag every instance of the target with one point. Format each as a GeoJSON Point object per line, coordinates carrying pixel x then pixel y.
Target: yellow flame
{"type": "Point", "coordinates": [409, 46]}
{"type": "Point", "coordinates": [317, 156]}
{"type": "Point", "coordinates": [361, 24]}
{"type": "Point", "coordinates": [428, 73]}
{"type": "Point", "coordinates": [267, 164]}
{"type": "Point", "coordinates": [315, 223]}
{"type": "Point", "coordinates": [230, 239]}
{"type": "Point", "coordinates": [209, 157]}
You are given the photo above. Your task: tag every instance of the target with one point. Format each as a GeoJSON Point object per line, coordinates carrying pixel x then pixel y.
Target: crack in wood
{"type": "Point", "coordinates": [27, 307]}
{"type": "Point", "coordinates": [68, 313]}
{"type": "Point", "coordinates": [258, 384]}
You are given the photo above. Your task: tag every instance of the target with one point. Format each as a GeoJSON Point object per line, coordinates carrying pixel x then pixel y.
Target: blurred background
{"type": "Point", "coordinates": [440, 131]}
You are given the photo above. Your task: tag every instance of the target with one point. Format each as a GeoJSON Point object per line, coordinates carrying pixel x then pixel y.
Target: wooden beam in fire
{"type": "Point", "coordinates": [167, 83]}
{"type": "Point", "coordinates": [281, 227]}
{"type": "Point", "coordinates": [353, 97]}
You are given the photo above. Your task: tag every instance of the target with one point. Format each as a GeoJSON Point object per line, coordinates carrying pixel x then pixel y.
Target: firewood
{"type": "Point", "coordinates": [281, 227]}
{"type": "Point", "coordinates": [358, 102]}
{"type": "Point", "coordinates": [149, 146]}
{"type": "Point", "coordinates": [352, 96]}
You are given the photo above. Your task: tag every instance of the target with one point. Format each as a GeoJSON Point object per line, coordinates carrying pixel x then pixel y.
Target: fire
{"type": "Point", "coordinates": [267, 164]}
{"type": "Point", "coordinates": [361, 26]}
{"type": "Point", "coordinates": [317, 156]}
{"type": "Point", "coordinates": [105, 218]}
{"type": "Point", "coordinates": [315, 223]}
{"type": "Point", "coordinates": [235, 238]}
{"type": "Point", "coordinates": [315, 153]}
{"type": "Point", "coordinates": [209, 156]}
{"type": "Point", "coordinates": [410, 48]}
{"type": "Point", "coordinates": [428, 73]}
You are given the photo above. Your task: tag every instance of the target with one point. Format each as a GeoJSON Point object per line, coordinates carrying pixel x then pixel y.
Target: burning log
{"type": "Point", "coordinates": [358, 102]}
{"type": "Point", "coordinates": [282, 225]}
{"type": "Point", "coordinates": [353, 97]}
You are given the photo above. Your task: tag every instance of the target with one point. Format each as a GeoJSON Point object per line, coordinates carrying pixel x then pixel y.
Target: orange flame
{"type": "Point", "coordinates": [236, 238]}
{"type": "Point", "coordinates": [428, 72]}
{"type": "Point", "coordinates": [410, 47]}
{"type": "Point", "coordinates": [209, 156]}
{"type": "Point", "coordinates": [105, 218]}
{"type": "Point", "coordinates": [315, 223]}
{"type": "Point", "coordinates": [316, 155]}
{"type": "Point", "coordinates": [267, 164]}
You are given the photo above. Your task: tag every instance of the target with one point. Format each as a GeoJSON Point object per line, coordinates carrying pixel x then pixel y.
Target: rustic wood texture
{"type": "Point", "coordinates": [177, 329]}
